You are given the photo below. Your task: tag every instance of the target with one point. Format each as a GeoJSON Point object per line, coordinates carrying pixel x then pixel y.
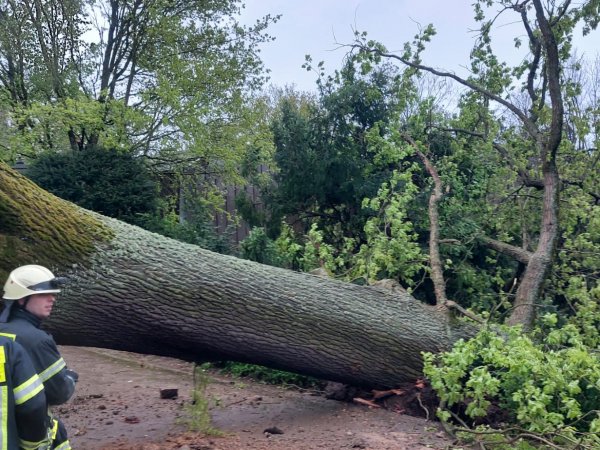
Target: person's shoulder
{"type": "Point", "coordinates": [9, 330]}
{"type": "Point", "coordinates": [24, 331]}
{"type": "Point", "coordinates": [15, 324]}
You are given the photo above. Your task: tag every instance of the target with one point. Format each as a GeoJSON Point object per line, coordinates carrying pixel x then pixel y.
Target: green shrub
{"type": "Point", "coordinates": [111, 182]}
{"type": "Point", "coordinates": [198, 232]}
{"type": "Point", "coordinates": [549, 389]}
{"type": "Point", "coordinates": [259, 247]}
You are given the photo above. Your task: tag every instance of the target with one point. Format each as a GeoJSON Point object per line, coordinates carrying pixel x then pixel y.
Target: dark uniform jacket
{"type": "Point", "coordinates": [24, 418]}
{"type": "Point", "coordinates": [50, 366]}
{"type": "Point", "coordinates": [59, 386]}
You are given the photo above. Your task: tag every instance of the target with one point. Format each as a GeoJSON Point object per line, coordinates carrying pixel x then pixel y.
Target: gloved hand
{"type": "Point", "coordinates": [72, 375]}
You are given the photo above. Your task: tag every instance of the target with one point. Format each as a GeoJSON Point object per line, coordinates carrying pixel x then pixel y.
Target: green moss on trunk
{"type": "Point", "coordinates": [37, 227]}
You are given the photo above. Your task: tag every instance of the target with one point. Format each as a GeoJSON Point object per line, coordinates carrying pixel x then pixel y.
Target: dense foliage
{"type": "Point", "coordinates": [494, 206]}
{"type": "Point", "coordinates": [325, 168]}
{"type": "Point", "coordinates": [547, 386]}
{"type": "Point", "coordinates": [110, 182]}
{"type": "Point", "coordinates": [116, 184]}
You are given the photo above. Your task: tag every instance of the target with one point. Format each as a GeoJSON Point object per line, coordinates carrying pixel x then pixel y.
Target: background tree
{"type": "Point", "coordinates": [165, 80]}
{"type": "Point", "coordinates": [535, 171]}
{"type": "Point", "coordinates": [324, 167]}
{"type": "Point", "coordinates": [530, 150]}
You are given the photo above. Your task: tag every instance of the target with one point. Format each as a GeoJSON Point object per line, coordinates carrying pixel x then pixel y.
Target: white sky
{"type": "Point", "coordinates": [314, 26]}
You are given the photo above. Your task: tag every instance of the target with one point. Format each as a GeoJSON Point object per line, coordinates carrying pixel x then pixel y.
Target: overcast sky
{"type": "Point", "coordinates": [314, 26]}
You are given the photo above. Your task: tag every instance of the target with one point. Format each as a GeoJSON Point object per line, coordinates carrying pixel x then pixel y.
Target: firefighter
{"type": "Point", "coordinates": [25, 422]}
{"type": "Point", "coordinates": [29, 296]}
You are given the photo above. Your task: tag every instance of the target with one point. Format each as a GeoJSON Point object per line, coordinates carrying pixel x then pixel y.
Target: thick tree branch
{"type": "Point", "coordinates": [538, 267]}
{"type": "Point", "coordinates": [517, 253]}
{"type": "Point", "coordinates": [553, 68]}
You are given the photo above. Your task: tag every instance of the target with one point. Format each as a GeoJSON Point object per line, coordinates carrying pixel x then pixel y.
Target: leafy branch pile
{"type": "Point", "coordinates": [547, 388]}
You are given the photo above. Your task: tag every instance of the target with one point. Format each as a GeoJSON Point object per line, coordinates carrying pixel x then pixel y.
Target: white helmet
{"type": "Point", "coordinates": [29, 280]}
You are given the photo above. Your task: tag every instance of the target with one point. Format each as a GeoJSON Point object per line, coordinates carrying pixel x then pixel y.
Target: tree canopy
{"type": "Point", "coordinates": [163, 79]}
{"type": "Point", "coordinates": [492, 204]}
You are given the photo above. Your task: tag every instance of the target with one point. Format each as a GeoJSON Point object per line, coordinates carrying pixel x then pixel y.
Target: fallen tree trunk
{"type": "Point", "coordinates": [133, 290]}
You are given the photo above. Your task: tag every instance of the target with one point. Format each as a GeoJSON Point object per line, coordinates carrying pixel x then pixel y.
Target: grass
{"type": "Point", "coordinates": [197, 417]}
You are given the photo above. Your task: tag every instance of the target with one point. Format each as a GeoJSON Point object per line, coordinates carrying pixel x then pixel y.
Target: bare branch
{"type": "Point", "coordinates": [527, 122]}
{"type": "Point", "coordinates": [517, 253]}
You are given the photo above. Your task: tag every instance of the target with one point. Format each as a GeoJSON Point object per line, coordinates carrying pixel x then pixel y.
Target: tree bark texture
{"type": "Point", "coordinates": [133, 290]}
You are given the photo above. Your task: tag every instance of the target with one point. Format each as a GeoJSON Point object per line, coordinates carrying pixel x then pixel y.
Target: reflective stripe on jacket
{"type": "Point", "coordinates": [23, 413]}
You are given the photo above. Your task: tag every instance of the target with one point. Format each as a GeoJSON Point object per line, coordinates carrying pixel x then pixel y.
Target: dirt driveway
{"type": "Point", "coordinates": [117, 405]}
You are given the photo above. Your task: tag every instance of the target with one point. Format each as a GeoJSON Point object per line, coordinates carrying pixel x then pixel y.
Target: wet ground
{"type": "Point", "coordinates": [118, 405]}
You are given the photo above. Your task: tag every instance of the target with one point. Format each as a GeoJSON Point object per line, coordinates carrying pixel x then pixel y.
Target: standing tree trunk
{"type": "Point", "coordinates": [537, 270]}
{"type": "Point", "coordinates": [133, 290]}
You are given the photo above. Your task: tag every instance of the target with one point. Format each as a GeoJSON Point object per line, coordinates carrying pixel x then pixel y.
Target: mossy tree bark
{"type": "Point", "coordinates": [134, 290]}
